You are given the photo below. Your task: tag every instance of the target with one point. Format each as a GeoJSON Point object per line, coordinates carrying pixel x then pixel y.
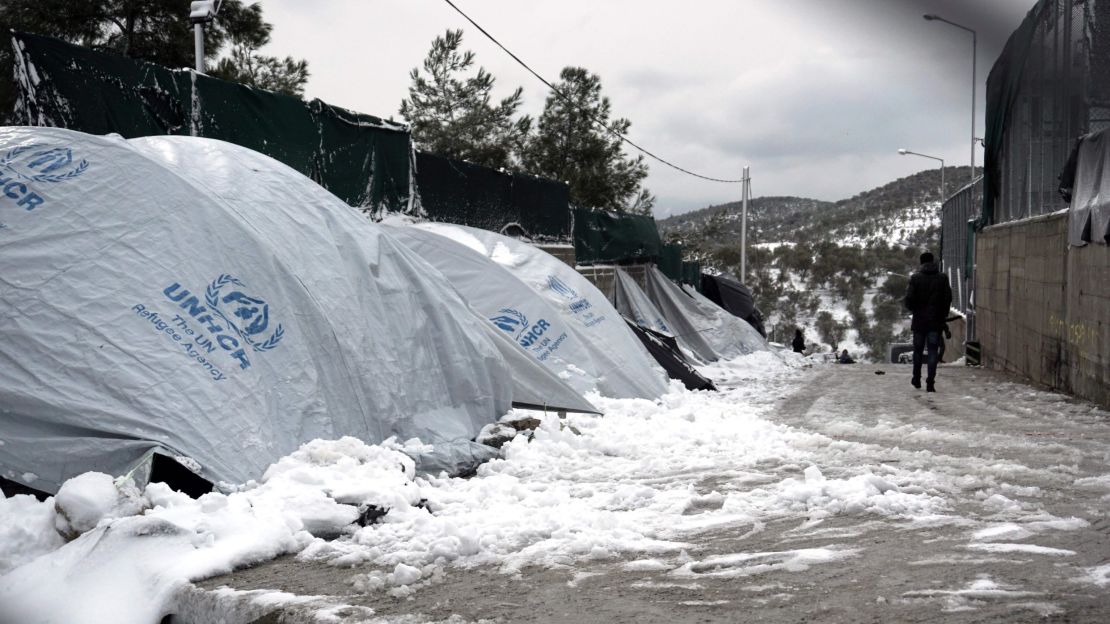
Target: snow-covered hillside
{"type": "Point", "coordinates": [837, 270]}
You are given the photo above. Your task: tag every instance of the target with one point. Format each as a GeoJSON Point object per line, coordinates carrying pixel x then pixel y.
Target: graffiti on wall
{"type": "Point", "coordinates": [1076, 333]}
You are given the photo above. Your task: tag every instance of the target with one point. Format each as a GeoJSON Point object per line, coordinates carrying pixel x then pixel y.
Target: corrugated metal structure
{"type": "Point", "coordinates": [958, 216]}
{"type": "Point", "coordinates": [1050, 85]}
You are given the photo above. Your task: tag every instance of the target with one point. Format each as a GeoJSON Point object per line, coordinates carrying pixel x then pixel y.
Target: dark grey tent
{"type": "Point", "coordinates": [734, 297]}
{"type": "Point", "coordinates": [664, 348]}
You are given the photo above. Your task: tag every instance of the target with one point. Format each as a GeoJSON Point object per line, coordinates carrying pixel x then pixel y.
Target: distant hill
{"type": "Point", "coordinates": [835, 269]}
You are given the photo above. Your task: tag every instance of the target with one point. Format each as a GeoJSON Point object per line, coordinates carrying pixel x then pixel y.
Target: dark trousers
{"type": "Point", "coordinates": [921, 340]}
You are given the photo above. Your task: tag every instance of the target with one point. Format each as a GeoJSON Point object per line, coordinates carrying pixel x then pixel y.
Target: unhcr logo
{"type": "Point", "coordinates": [560, 287]}
{"type": "Point", "coordinates": [510, 320]}
{"type": "Point", "coordinates": [36, 164]}
{"type": "Point", "coordinates": [515, 323]}
{"type": "Point", "coordinates": [249, 316]}
{"type": "Point", "coordinates": [232, 318]}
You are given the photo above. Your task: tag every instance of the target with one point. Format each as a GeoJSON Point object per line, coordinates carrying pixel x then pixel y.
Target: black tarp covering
{"type": "Point", "coordinates": [1003, 85]}
{"type": "Point", "coordinates": [691, 274]}
{"type": "Point", "coordinates": [665, 350]}
{"type": "Point", "coordinates": [453, 191]}
{"type": "Point", "coordinates": [604, 237]}
{"type": "Point", "coordinates": [734, 297]}
{"type": "Point", "coordinates": [360, 158]}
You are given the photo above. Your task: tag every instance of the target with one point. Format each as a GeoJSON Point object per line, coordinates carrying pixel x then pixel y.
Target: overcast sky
{"type": "Point", "coordinates": [815, 95]}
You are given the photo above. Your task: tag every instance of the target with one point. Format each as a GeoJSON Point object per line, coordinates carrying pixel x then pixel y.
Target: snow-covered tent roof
{"type": "Point", "coordinates": [698, 324]}
{"type": "Point", "coordinates": [623, 366]}
{"type": "Point", "coordinates": [533, 324]}
{"type": "Point", "coordinates": [141, 312]}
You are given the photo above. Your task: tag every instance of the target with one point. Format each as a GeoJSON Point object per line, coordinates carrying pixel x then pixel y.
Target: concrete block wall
{"type": "Point", "coordinates": [1043, 308]}
{"type": "Point", "coordinates": [562, 252]}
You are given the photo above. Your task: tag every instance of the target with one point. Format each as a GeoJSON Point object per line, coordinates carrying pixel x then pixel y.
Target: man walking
{"type": "Point", "coordinates": [929, 297]}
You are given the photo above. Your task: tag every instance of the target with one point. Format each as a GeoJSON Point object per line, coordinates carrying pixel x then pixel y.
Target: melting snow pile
{"type": "Point", "coordinates": [581, 488]}
{"type": "Point", "coordinates": [322, 489]}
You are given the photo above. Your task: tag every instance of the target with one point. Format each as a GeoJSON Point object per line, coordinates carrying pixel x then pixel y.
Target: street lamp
{"type": "Point", "coordinates": [200, 13]}
{"type": "Point", "coordinates": [974, 43]}
{"type": "Point", "coordinates": [905, 152]}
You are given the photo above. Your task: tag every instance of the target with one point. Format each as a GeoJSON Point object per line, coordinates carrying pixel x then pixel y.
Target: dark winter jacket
{"type": "Point", "coordinates": [799, 343]}
{"type": "Point", "coordinates": [929, 297]}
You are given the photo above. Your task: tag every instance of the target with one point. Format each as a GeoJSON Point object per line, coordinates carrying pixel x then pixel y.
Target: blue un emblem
{"type": "Point", "coordinates": [247, 315]}
{"type": "Point", "coordinates": [42, 163]}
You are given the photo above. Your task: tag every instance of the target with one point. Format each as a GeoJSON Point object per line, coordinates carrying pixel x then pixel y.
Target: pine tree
{"type": "Point", "coordinates": [246, 66]}
{"type": "Point", "coordinates": [451, 113]}
{"type": "Point", "coordinates": [157, 31]}
{"type": "Point", "coordinates": [572, 145]}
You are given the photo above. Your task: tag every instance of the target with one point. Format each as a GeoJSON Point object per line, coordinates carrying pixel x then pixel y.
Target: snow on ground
{"type": "Point", "coordinates": [639, 482]}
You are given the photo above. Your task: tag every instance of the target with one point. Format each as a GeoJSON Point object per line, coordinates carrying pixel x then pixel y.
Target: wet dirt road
{"type": "Point", "coordinates": [1024, 537]}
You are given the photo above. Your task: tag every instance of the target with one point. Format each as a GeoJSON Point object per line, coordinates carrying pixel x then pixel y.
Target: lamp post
{"type": "Point", "coordinates": [906, 152]}
{"type": "Point", "coordinates": [974, 43]}
{"type": "Point", "coordinates": [200, 13]}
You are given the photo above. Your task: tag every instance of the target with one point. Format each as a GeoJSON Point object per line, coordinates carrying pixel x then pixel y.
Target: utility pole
{"type": "Point", "coordinates": [744, 227]}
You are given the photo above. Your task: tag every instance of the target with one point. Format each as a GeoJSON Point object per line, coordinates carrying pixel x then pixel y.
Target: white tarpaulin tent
{"type": "Point", "coordinates": [631, 301]}
{"type": "Point", "coordinates": [737, 336]}
{"type": "Point", "coordinates": [625, 367]}
{"type": "Point", "coordinates": [231, 173]}
{"type": "Point", "coordinates": [138, 311]}
{"type": "Point", "coordinates": [510, 305]}
{"type": "Point", "coordinates": [700, 325]}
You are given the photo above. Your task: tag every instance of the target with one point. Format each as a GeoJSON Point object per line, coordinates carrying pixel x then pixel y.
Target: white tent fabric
{"type": "Point", "coordinates": [1089, 216]}
{"type": "Point", "coordinates": [698, 324]}
{"type": "Point", "coordinates": [537, 328]}
{"type": "Point", "coordinates": [631, 301]}
{"type": "Point", "coordinates": [683, 317]}
{"type": "Point", "coordinates": [230, 173]}
{"type": "Point", "coordinates": [625, 367]}
{"type": "Point", "coordinates": [138, 311]}
{"type": "Point", "coordinates": [738, 337]}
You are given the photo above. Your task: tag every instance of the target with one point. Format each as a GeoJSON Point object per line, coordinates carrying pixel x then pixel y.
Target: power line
{"type": "Point", "coordinates": [571, 102]}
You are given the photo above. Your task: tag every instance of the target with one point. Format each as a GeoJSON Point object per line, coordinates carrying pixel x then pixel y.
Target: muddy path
{"type": "Point", "coordinates": [997, 447]}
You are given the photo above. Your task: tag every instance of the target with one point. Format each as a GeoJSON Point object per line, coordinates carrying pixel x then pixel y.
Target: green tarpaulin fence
{"type": "Point", "coordinates": [360, 158]}
{"type": "Point", "coordinates": [691, 274]}
{"type": "Point", "coordinates": [457, 192]}
{"type": "Point", "coordinates": [670, 261]}
{"type": "Point", "coordinates": [602, 237]}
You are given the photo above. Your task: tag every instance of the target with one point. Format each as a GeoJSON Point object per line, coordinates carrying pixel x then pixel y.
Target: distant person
{"type": "Point", "coordinates": [929, 297]}
{"type": "Point", "coordinates": [799, 342]}
{"type": "Point", "coordinates": [845, 358]}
